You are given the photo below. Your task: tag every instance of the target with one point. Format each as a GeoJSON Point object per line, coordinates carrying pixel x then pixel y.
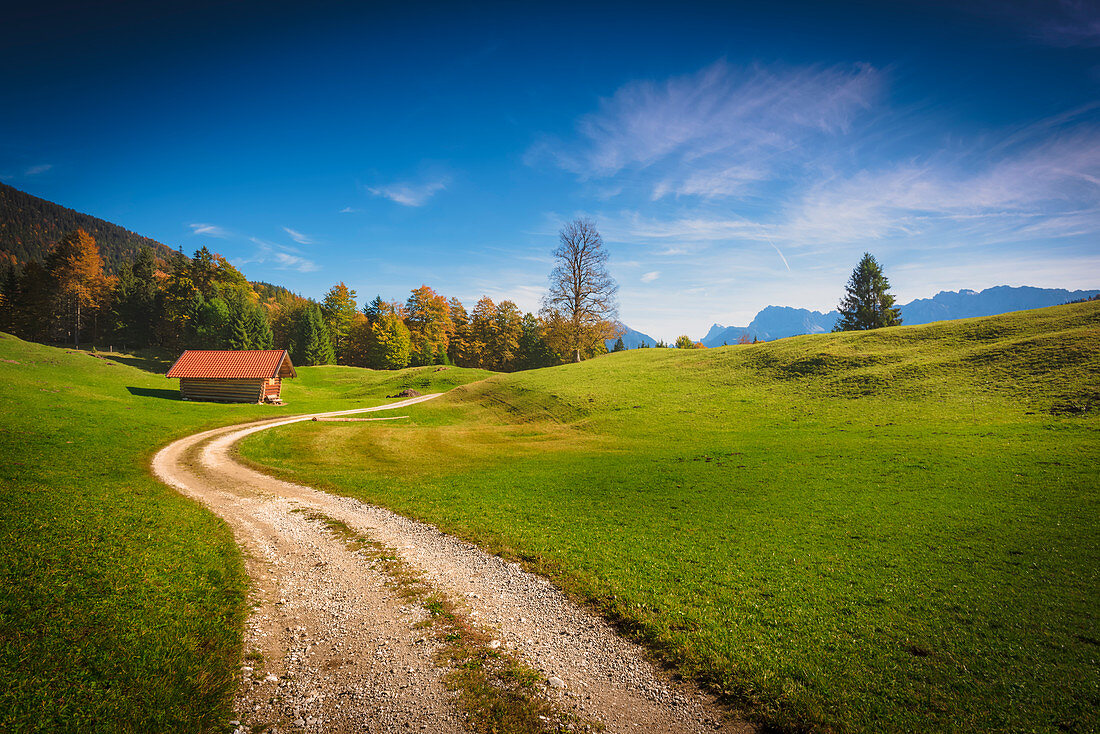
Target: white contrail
{"type": "Point", "coordinates": [779, 252]}
{"type": "Point", "coordinates": [767, 237]}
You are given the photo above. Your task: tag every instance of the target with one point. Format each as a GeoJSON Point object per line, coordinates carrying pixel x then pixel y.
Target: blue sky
{"type": "Point", "coordinates": [733, 155]}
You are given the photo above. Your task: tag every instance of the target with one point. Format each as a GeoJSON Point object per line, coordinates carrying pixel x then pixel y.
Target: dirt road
{"type": "Point", "coordinates": [331, 645]}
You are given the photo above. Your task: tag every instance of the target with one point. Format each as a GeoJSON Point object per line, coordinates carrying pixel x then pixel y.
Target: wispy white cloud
{"type": "Point", "coordinates": [210, 230]}
{"type": "Point", "coordinates": [38, 169]}
{"type": "Point", "coordinates": [281, 257]}
{"type": "Point", "coordinates": [1045, 187]}
{"type": "Point", "coordinates": [650, 276]}
{"type": "Point", "coordinates": [287, 261]}
{"type": "Point", "coordinates": [349, 210]}
{"type": "Point", "coordinates": [1055, 180]}
{"type": "Point", "coordinates": [298, 237]}
{"type": "Point", "coordinates": [687, 232]}
{"type": "Point", "coordinates": [739, 116]}
{"type": "Point", "coordinates": [410, 194]}
{"type": "Point", "coordinates": [726, 181]}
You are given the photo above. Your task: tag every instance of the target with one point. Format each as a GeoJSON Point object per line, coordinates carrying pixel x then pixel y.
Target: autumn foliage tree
{"type": "Point", "coordinates": [458, 347]}
{"type": "Point", "coordinates": [507, 332]}
{"type": "Point", "coordinates": [358, 342]}
{"type": "Point", "coordinates": [481, 332]}
{"type": "Point", "coordinates": [581, 300]}
{"type": "Point", "coordinates": [339, 309]}
{"type": "Point", "coordinates": [428, 318]}
{"type": "Point", "coordinates": [390, 346]}
{"type": "Point", "coordinates": [77, 272]}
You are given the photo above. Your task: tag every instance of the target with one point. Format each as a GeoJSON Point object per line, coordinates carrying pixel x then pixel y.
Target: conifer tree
{"type": "Point", "coordinates": [34, 307]}
{"type": "Point", "coordinates": [213, 326]}
{"type": "Point", "coordinates": [180, 302]}
{"type": "Point", "coordinates": [247, 324]}
{"type": "Point", "coordinates": [259, 327]}
{"type": "Point", "coordinates": [619, 345]}
{"type": "Point", "coordinates": [204, 272]}
{"type": "Point", "coordinates": [134, 307]}
{"type": "Point", "coordinates": [867, 304]}
{"type": "Point", "coordinates": [534, 352]}
{"type": "Point", "coordinates": [312, 345]}
{"type": "Point", "coordinates": [374, 309]}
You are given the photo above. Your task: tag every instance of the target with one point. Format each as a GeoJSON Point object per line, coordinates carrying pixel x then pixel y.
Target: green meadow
{"type": "Point", "coordinates": [121, 602]}
{"type": "Point", "coordinates": [895, 530]}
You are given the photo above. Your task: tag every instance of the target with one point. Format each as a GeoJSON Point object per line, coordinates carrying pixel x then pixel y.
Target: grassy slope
{"type": "Point", "coordinates": [882, 531]}
{"type": "Point", "coordinates": [120, 601]}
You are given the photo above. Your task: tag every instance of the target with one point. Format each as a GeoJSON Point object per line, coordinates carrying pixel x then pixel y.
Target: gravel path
{"type": "Point", "coordinates": [340, 648]}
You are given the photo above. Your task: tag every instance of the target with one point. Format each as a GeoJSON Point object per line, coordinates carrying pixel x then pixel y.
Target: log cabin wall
{"type": "Point", "coordinates": [223, 391]}
{"type": "Point", "coordinates": [272, 387]}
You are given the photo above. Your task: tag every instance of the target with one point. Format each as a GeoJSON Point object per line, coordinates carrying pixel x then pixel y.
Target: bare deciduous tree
{"type": "Point", "coordinates": [582, 293]}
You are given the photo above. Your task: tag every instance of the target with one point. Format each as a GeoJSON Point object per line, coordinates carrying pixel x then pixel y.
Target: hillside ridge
{"type": "Point", "coordinates": [30, 225]}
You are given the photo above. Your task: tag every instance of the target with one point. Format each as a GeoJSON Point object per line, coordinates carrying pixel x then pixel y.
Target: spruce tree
{"type": "Point", "coordinates": [312, 344]}
{"type": "Point", "coordinates": [867, 304]}
{"type": "Point", "coordinates": [375, 308]}
{"type": "Point", "coordinates": [534, 352]}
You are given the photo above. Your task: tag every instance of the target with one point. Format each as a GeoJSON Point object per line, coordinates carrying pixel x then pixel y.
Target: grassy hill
{"type": "Point", "coordinates": [895, 530]}
{"type": "Point", "coordinates": [121, 601]}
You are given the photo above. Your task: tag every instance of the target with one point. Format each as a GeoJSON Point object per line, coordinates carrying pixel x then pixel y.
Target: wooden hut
{"type": "Point", "coordinates": [226, 376]}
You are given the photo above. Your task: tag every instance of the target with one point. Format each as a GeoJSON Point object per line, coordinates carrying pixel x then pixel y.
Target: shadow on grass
{"type": "Point", "coordinates": [154, 392]}
{"type": "Point", "coordinates": [158, 365]}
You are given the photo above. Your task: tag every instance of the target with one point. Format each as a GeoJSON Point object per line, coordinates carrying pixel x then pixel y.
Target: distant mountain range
{"type": "Point", "coordinates": [778, 322]}
{"type": "Point", "coordinates": [633, 339]}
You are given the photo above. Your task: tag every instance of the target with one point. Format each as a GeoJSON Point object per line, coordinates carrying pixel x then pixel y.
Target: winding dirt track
{"type": "Point", "coordinates": [340, 648]}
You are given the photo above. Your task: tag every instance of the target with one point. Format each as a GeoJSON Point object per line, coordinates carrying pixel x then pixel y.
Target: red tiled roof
{"type": "Point", "coordinates": [224, 363]}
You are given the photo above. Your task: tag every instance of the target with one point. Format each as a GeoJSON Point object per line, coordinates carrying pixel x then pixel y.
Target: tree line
{"type": "Point", "coordinates": [204, 302]}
